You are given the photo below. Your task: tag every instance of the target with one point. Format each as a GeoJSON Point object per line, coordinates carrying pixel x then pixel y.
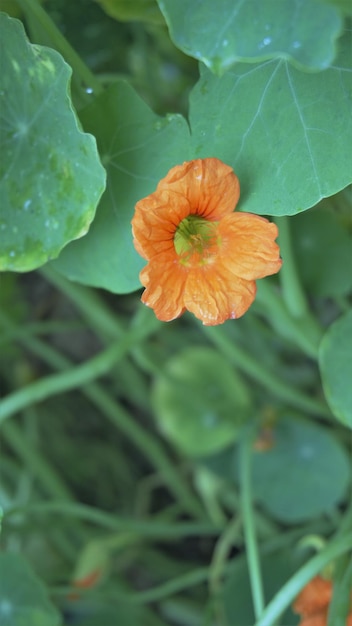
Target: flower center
{"type": "Point", "coordinates": [194, 235]}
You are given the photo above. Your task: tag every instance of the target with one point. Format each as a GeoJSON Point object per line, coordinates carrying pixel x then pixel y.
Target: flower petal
{"type": "Point", "coordinates": [314, 597]}
{"type": "Point", "coordinates": [205, 187]}
{"type": "Point", "coordinates": [248, 245]}
{"type": "Point", "coordinates": [214, 295]}
{"type": "Point", "coordinates": [155, 221]}
{"type": "Point", "coordinates": [164, 281]}
{"type": "Point", "coordinates": [210, 186]}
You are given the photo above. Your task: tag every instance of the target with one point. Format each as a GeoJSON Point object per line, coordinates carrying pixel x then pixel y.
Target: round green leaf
{"type": "Point", "coordinates": [51, 178]}
{"type": "Point", "coordinates": [313, 233]}
{"type": "Point", "coordinates": [278, 128]}
{"type": "Point", "coordinates": [23, 599]}
{"type": "Point", "coordinates": [335, 360]}
{"type": "Point", "coordinates": [200, 402]}
{"type": "Point", "coordinates": [305, 474]}
{"type": "Point", "coordinates": [131, 140]}
{"type": "Point", "coordinates": [276, 568]}
{"type": "Point", "coordinates": [227, 31]}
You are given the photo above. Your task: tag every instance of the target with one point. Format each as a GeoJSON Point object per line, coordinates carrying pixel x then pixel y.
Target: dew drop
{"type": "Point", "coordinates": [27, 204]}
{"type": "Point", "coordinates": [265, 42]}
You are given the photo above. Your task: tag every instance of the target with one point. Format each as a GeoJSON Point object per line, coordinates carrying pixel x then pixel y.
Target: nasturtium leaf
{"type": "Point", "coordinates": [51, 178]}
{"type": "Point", "coordinates": [227, 31]}
{"type": "Point", "coordinates": [23, 598]}
{"type": "Point", "coordinates": [276, 568]}
{"type": "Point", "coordinates": [138, 148]}
{"type": "Point", "coordinates": [287, 134]}
{"type": "Point", "coordinates": [323, 255]}
{"type": "Point", "coordinates": [305, 474]}
{"type": "Point", "coordinates": [335, 361]}
{"type": "Point", "coordinates": [200, 403]}
{"type": "Point", "coordinates": [130, 10]}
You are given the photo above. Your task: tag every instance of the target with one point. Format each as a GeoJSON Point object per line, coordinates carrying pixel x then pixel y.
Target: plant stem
{"type": "Point", "coordinates": [290, 590]}
{"type": "Point", "coordinates": [65, 381]}
{"type": "Point", "coordinates": [82, 74]}
{"type": "Point", "coordinates": [145, 442]}
{"type": "Point", "coordinates": [35, 464]}
{"type": "Point", "coordinates": [111, 521]}
{"type": "Point", "coordinates": [249, 524]}
{"type": "Point", "coordinates": [291, 286]}
{"type": "Point", "coordinates": [305, 331]}
{"type": "Point", "coordinates": [253, 368]}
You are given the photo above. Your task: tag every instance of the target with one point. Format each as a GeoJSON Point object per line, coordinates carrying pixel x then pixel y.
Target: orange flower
{"type": "Point", "coordinates": [312, 604]}
{"type": "Point", "coordinates": [201, 255]}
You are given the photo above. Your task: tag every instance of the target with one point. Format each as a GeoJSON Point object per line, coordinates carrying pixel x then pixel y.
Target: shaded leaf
{"type": "Point", "coordinates": [23, 599]}
{"type": "Point", "coordinates": [227, 31]}
{"type": "Point", "coordinates": [51, 178]}
{"type": "Point", "coordinates": [323, 252]}
{"type": "Point", "coordinates": [335, 365]}
{"type": "Point", "coordinates": [200, 403]}
{"type": "Point", "coordinates": [276, 568]}
{"type": "Point", "coordinates": [138, 148]}
{"type": "Point", "coordinates": [305, 474]}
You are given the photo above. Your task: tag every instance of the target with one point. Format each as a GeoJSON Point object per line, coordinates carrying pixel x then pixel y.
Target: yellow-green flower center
{"type": "Point", "coordinates": [194, 235]}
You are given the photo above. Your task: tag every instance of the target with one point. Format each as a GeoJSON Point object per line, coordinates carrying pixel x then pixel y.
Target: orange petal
{"type": "Point", "coordinates": [205, 187]}
{"type": "Point", "coordinates": [211, 187]}
{"type": "Point", "coordinates": [314, 597]}
{"type": "Point", "coordinates": [318, 619]}
{"type": "Point", "coordinates": [155, 221]}
{"type": "Point", "coordinates": [248, 245]}
{"type": "Point", "coordinates": [164, 281]}
{"type": "Point", "coordinates": [215, 295]}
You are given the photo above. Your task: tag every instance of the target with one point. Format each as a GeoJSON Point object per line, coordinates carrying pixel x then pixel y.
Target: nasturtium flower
{"type": "Point", "coordinates": [312, 604]}
{"type": "Point", "coordinates": [202, 257]}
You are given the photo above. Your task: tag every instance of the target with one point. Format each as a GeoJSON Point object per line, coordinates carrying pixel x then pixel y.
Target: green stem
{"type": "Point", "coordinates": [145, 442]}
{"type": "Point", "coordinates": [32, 9]}
{"type": "Point", "coordinates": [291, 287]}
{"type": "Point", "coordinates": [305, 331]}
{"type": "Point", "coordinates": [291, 589]}
{"type": "Point", "coordinates": [253, 559]}
{"type": "Point", "coordinates": [340, 603]}
{"type": "Point", "coordinates": [110, 521]}
{"type": "Point", "coordinates": [65, 381]}
{"type": "Point", "coordinates": [171, 587]}
{"type": "Point", "coordinates": [255, 370]}
{"type": "Point", "coordinates": [35, 463]}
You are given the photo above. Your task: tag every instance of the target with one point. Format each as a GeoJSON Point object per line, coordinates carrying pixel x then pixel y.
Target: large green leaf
{"type": "Point", "coordinates": [305, 474]}
{"type": "Point", "coordinates": [335, 360]}
{"type": "Point", "coordinates": [51, 178]}
{"type": "Point", "coordinates": [287, 134]}
{"type": "Point", "coordinates": [314, 233]}
{"type": "Point", "coordinates": [138, 148]}
{"type": "Point", "coordinates": [224, 32]}
{"type": "Point", "coordinates": [200, 403]}
{"type": "Point", "coordinates": [23, 598]}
